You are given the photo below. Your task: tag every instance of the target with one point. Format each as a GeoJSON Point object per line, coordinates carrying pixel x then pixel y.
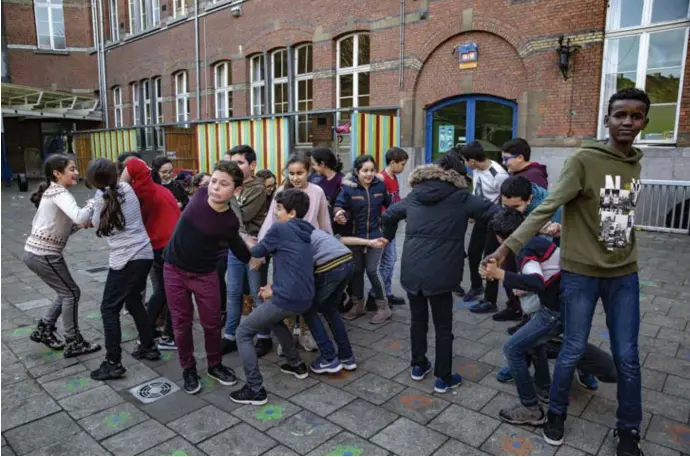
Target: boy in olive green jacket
{"type": "Point", "coordinates": [598, 189]}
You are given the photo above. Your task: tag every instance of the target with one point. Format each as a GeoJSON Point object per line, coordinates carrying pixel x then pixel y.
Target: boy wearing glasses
{"type": "Point", "coordinates": [516, 158]}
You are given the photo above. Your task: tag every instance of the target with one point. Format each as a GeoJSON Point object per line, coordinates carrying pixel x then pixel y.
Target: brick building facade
{"type": "Point", "coordinates": [314, 55]}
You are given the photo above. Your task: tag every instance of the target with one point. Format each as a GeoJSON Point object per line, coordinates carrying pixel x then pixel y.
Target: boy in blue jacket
{"type": "Point", "coordinates": [291, 293]}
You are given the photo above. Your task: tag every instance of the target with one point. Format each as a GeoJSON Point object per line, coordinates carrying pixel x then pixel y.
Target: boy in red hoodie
{"type": "Point", "coordinates": [160, 212]}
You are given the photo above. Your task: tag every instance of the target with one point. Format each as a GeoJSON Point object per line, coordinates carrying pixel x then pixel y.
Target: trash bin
{"type": "Point", "coordinates": [23, 182]}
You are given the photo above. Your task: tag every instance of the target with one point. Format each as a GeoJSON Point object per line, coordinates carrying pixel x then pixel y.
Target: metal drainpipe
{"type": "Point", "coordinates": [196, 60]}
{"type": "Point", "coordinates": [104, 86]}
{"type": "Point", "coordinates": [206, 76]}
{"type": "Point", "coordinates": [94, 23]}
{"type": "Point", "coordinates": [402, 44]}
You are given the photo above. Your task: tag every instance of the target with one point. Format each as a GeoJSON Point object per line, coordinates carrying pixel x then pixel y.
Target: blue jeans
{"type": "Point", "coordinates": [621, 299]}
{"type": "Point", "coordinates": [236, 274]}
{"type": "Point", "coordinates": [530, 339]}
{"type": "Point", "coordinates": [387, 268]}
{"type": "Point", "coordinates": [330, 286]}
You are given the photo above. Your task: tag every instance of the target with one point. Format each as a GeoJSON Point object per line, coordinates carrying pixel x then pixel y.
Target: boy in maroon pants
{"type": "Point", "coordinates": [207, 223]}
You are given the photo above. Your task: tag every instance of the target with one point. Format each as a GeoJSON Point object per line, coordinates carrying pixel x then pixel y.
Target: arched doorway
{"type": "Point", "coordinates": [467, 118]}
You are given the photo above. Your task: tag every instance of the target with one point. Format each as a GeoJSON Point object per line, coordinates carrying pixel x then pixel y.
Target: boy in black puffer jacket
{"type": "Point", "coordinates": [437, 212]}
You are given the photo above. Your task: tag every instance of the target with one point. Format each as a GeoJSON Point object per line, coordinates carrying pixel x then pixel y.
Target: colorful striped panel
{"type": "Point", "coordinates": [112, 143]}
{"type": "Point", "coordinates": [270, 138]}
{"type": "Point", "coordinates": [374, 134]}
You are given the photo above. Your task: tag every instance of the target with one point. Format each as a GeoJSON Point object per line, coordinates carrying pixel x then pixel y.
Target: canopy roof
{"type": "Point", "coordinates": [31, 102]}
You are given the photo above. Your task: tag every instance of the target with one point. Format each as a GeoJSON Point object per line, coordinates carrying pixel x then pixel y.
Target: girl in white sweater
{"type": "Point", "coordinates": [58, 216]}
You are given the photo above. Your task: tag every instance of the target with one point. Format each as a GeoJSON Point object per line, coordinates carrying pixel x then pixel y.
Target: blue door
{"type": "Point", "coordinates": [467, 118]}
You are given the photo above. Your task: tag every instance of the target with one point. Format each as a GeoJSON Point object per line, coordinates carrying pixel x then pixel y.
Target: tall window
{"type": "Point", "coordinates": [256, 76]}
{"type": "Point", "coordinates": [158, 94]}
{"type": "Point", "coordinates": [114, 21]}
{"type": "Point", "coordinates": [304, 85]}
{"type": "Point", "coordinates": [279, 90]}
{"type": "Point", "coordinates": [222, 80]}
{"type": "Point", "coordinates": [148, 110]}
{"type": "Point", "coordinates": [117, 106]}
{"type": "Point", "coordinates": [143, 14]}
{"type": "Point", "coordinates": [179, 8]}
{"type": "Point", "coordinates": [645, 47]}
{"type": "Point", "coordinates": [136, 120]}
{"type": "Point", "coordinates": [353, 69]}
{"type": "Point", "coordinates": [155, 12]}
{"type": "Point", "coordinates": [182, 107]}
{"type": "Point", "coordinates": [50, 24]}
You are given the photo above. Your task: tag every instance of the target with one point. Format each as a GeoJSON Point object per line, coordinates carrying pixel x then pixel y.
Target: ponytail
{"type": "Point", "coordinates": [56, 162]}
{"type": "Point", "coordinates": [102, 174]}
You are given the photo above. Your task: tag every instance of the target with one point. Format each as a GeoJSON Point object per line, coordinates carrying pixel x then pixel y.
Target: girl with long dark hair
{"type": "Point", "coordinates": [163, 169]}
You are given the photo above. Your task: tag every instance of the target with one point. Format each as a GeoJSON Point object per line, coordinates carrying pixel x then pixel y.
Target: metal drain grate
{"type": "Point", "coordinates": [154, 390]}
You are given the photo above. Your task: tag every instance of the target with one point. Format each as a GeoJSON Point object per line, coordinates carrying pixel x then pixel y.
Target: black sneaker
{"type": "Point", "coordinates": [230, 346]}
{"type": "Point", "coordinates": [459, 291]}
{"type": "Point", "coordinates": [299, 371]}
{"type": "Point", "coordinates": [473, 294]}
{"type": "Point", "coordinates": [554, 428]}
{"type": "Point", "coordinates": [165, 343]}
{"type": "Point", "coordinates": [222, 374]}
{"type": "Point", "coordinates": [263, 346]}
{"type": "Point", "coordinates": [628, 441]}
{"type": "Point", "coordinates": [46, 334]}
{"type": "Point", "coordinates": [108, 370]}
{"type": "Point", "coordinates": [79, 346]}
{"type": "Point", "coordinates": [397, 301]}
{"type": "Point", "coordinates": [245, 396]}
{"type": "Point", "coordinates": [508, 315]}
{"type": "Point", "coordinates": [191, 381]}
{"type": "Point", "coordinates": [483, 307]}
{"type": "Point", "coordinates": [149, 354]}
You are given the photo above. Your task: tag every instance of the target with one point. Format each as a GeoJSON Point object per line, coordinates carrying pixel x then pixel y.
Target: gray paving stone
{"type": "Point", "coordinates": [362, 418]}
{"type": "Point", "coordinates": [322, 399]}
{"type": "Point", "coordinates": [175, 446]}
{"type": "Point", "coordinates": [172, 406]}
{"type": "Point", "coordinates": [346, 443]}
{"type": "Point", "coordinates": [17, 333]}
{"type": "Point", "coordinates": [384, 365]}
{"type": "Point", "coordinates": [238, 440]}
{"type": "Point", "coordinates": [584, 435]}
{"type": "Point", "coordinates": [13, 373]}
{"type": "Point", "coordinates": [494, 339]}
{"type": "Point", "coordinates": [395, 346]}
{"type": "Point", "coordinates": [654, 380]}
{"type": "Point", "coordinates": [362, 353]}
{"type": "Point", "coordinates": [510, 440]}
{"type": "Point", "coordinates": [71, 385]}
{"type": "Point", "coordinates": [406, 437]}
{"type": "Point", "coordinates": [202, 423]}
{"type": "Point", "coordinates": [40, 356]}
{"type": "Point", "coordinates": [33, 304]}
{"type": "Point", "coordinates": [416, 405]}
{"type": "Point", "coordinates": [272, 414]}
{"type": "Point", "coordinates": [677, 386]}
{"type": "Point", "coordinates": [41, 433]}
{"type": "Point", "coordinates": [603, 411]}
{"type": "Point", "coordinates": [220, 398]}
{"type": "Point", "coordinates": [470, 395]}
{"type": "Point", "coordinates": [464, 425]}
{"type": "Point", "coordinates": [280, 451]}
{"type": "Point", "coordinates": [649, 329]}
{"type": "Point", "coordinates": [6, 451]}
{"type": "Point", "coordinates": [304, 431]}
{"type": "Point", "coordinates": [426, 385]}
{"type": "Point", "coordinates": [494, 357]}
{"type": "Point", "coordinates": [79, 444]}
{"type": "Point", "coordinates": [340, 379]}
{"type": "Point", "coordinates": [501, 401]}
{"type": "Point", "coordinates": [665, 405]}
{"type": "Point", "coordinates": [469, 349]}
{"type": "Point", "coordinates": [20, 410]}
{"type": "Point", "coordinates": [363, 338]}
{"type": "Point", "coordinates": [471, 370]}
{"type": "Point", "coordinates": [137, 373]}
{"type": "Point", "coordinates": [569, 451]}
{"type": "Point", "coordinates": [138, 439]}
{"type": "Point", "coordinates": [454, 447]}
{"type": "Point", "coordinates": [54, 369]}
{"type": "Point", "coordinates": [112, 421]}
{"type": "Point", "coordinates": [86, 403]}
{"type": "Point", "coordinates": [286, 386]}
{"type": "Point", "coordinates": [374, 389]}
{"type": "Point", "coordinates": [665, 321]}
{"type": "Point", "coordinates": [61, 373]}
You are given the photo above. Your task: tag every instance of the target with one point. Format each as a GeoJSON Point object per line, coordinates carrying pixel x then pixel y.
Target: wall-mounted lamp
{"type": "Point", "coordinates": [565, 50]}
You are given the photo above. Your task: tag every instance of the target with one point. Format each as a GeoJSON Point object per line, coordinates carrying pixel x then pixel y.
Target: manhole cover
{"type": "Point", "coordinates": [154, 390]}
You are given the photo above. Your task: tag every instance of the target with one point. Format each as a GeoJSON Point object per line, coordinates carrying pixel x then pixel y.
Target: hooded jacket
{"type": "Point", "coordinates": [536, 174]}
{"type": "Point", "coordinates": [539, 194]}
{"type": "Point", "coordinates": [598, 188]}
{"type": "Point", "coordinates": [289, 243]}
{"type": "Point", "coordinates": [365, 205]}
{"type": "Point", "coordinates": [159, 208]}
{"type": "Point", "coordinates": [437, 212]}
{"type": "Point", "coordinates": [252, 201]}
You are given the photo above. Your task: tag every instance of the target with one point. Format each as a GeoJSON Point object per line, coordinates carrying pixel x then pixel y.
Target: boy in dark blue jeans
{"type": "Point", "coordinates": [292, 293]}
{"type": "Point", "coordinates": [539, 275]}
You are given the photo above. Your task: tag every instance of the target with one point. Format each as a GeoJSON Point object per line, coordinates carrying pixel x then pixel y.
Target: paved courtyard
{"type": "Point", "coordinates": [50, 406]}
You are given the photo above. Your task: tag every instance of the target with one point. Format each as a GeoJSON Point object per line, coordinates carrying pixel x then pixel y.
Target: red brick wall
{"type": "Point", "coordinates": [684, 119]}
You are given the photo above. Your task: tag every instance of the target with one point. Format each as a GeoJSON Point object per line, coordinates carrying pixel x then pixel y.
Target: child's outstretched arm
{"type": "Point", "coordinates": [355, 241]}
{"type": "Point", "coordinates": [390, 219]}
{"type": "Point", "coordinates": [268, 244]}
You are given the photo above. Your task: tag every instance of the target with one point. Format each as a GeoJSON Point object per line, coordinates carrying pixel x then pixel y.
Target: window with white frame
{"type": "Point", "coordinates": [117, 106]}
{"type": "Point", "coordinates": [279, 88]}
{"type": "Point", "coordinates": [353, 71]}
{"type": "Point", "coordinates": [179, 8]}
{"type": "Point", "coordinates": [143, 14]}
{"type": "Point", "coordinates": [646, 47]}
{"type": "Point", "coordinates": [114, 21]}
{"type": "Point", "coordinates": [258, 83]}
{"type": "Point", "coordinates": [158, 94]}
{"type": "Point", "coordinates": [135, 103]}
{"type": "Point", "coordinates": [222, 80]}
{"type": "Point", "coordinates": [155, 13]}
{"type": "Point", "coordinates": [50, 24]}
{"type": "Point", "coordinates": [304, 87]}
{"type": "Point", "coordinates": [182, 107]}
{"type": "Point", "coordinates": [148, 110]}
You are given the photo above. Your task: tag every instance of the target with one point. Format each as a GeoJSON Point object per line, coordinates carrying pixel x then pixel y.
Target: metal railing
{"type": "Point", "coordinates": [664, 206]}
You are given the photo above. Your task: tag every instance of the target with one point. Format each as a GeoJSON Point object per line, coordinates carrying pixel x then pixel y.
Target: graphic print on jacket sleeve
{"type": "Point", "coordinates": [617, 211]}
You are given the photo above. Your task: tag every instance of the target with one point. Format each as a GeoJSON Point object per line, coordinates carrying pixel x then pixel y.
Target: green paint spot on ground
{"type": "Point", "coordinates": [50, 355]}
{"type": "Point", "coordinates": [94, 315]}
{"type": "Point", "coordinates": [269, 413]}
{"type": "Point", "coordinates": [208, 382]}
{"type": "Point", "coordinates": [345, 449]}
{"type": "Point", "coordinates": [647, 283]}
{"type": "Point", "coordinates": [166, 355]}
{"type": "Point", "coordinates": [179, 452]}
{"type": "Point", "coordinates": [77, 383]}
{"type": "Point", "coordinates": [117, 419]}
{"type": "Point", "coordinates": [21, 331]}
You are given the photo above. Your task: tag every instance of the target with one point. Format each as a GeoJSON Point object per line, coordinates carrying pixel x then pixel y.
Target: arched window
{"type": "Point", "coordinates": [353, 71]}
{"type": "Point", "coordinates": [117, 106]}
{"type": "Point", "coordinates": [182, 107]}
{"type": "Point", "coordinates": [304, 90]}
{"type": "Point", "coordinates": [279, 89]}
{"type": "Point", "coordinates": [258, 83]}
{"type": "Point", "coordinates": [222, 80]}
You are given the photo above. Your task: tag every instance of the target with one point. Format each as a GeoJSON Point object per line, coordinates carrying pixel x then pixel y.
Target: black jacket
{"type": "Point", "coordinates": [365, 205]}
{"type": "Point", "coordinates": [437, 212]}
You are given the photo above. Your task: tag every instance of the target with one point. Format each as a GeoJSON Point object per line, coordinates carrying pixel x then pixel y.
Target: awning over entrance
{"type": "Point", "coordinates": [31, 102]}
